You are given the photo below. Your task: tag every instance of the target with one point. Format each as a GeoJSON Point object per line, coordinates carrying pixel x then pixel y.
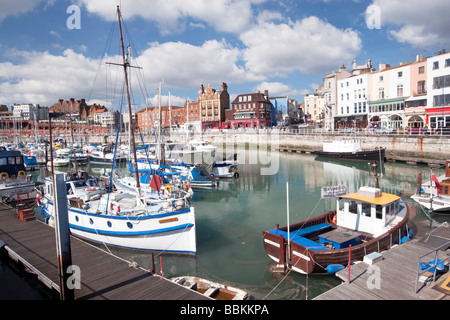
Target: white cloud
{"type": "Point", "coordinates": [417, 22]}
{"type": "Point", "coordinates": [279, 89]}
{"type": "Point", "coordinates": [44, 78]}
{"type": "Point", "coordinates": [16, 7]}
{"type": "Point", "coordinates": [172, 16]}
{"type": "Point", "coordinates": [186, 66]}
{"type": "Point", "coordinates": [309, 46]}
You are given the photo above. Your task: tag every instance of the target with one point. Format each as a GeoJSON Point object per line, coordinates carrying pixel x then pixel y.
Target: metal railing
{"type": "Point", "coordinates": [433, 264]}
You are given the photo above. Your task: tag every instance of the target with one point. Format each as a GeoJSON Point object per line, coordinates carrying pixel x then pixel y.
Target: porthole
{"type": "Point", "coordinates": [130, 225]}
{"type": "Point", "coordinates": [91, 221]}
{"type": "Point", "coordinates": [109, 224]}
{"type": "Point", "coordinates": [76, 218]}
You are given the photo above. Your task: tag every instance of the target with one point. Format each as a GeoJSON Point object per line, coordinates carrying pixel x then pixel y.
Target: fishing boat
{"type": "Point", "coordinates": [211, 289]}
{"type": "Point", "coordinates": [365, 222]}
{"type": "Point", "coordinates": [434, 194]}
{"type": "Point", "coordinates": [14, 180]}
{"type": "Point", "coordinates": [122, 219]}
{"type": "Point", "coordinates": [351, 150]}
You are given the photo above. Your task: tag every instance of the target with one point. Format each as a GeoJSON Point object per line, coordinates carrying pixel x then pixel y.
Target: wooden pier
{"type": "Point", "coordinates": [397, 274]}
{"type": "Point", "coordinates": [102, 276]}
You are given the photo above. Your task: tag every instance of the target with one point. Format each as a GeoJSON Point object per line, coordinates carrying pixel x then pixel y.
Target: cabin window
{"type": "Point", "coordinates": [379, 212]}
{"type": "Point", "coordinates": [365, 209]}
{"type": "Point", "coordinates": [353, 207]}
{"type": "Point", "coordinates": [11, 160]}
{"type": "Point", "coordinates": [3, 161]}
{"type": "Point", "coordinates": [19, 160]}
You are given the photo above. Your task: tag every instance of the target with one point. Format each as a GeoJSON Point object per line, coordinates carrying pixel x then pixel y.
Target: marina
{"type": "Point", "coordinates": [230, 218]}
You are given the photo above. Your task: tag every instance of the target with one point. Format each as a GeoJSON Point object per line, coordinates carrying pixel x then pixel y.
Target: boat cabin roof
{"type": "Point", "coordinates": [383, 200]}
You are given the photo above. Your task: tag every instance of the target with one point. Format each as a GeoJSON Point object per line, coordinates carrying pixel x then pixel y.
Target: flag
{"type": "Point", "coordinates": [436, 181]}
{"type": "Point", "coordinates": [156, 182]}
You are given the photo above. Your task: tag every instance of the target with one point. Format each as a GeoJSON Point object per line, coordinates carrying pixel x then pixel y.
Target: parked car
{"type": "Point", "coordinates": [382, 130]}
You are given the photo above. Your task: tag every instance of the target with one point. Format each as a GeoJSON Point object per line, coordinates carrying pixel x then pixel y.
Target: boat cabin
{"type": "Point", "coordinates": [81, 187]}
{"type": "Point", "coordinates": [11, 164]}
{"type": "Point", "coordinates": [445, 183]}
{"type": "Point", "coordinates": [369, 210]}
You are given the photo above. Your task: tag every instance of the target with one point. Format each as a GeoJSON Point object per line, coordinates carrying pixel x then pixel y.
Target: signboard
{"type": "Point", "coordinates": [333, 191]}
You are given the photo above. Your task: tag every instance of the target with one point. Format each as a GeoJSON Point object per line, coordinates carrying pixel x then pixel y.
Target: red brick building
{"type": "Point", "coordinates": [148, 117]}
{"type": "Point", "coordinates": [252, 110]}
{"type": "Point", "coordinates": [212, 106]}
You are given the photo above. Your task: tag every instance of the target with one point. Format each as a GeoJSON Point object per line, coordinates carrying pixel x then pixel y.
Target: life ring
{"type": "Point", "coordinates": [115, 208]}
{"type": "Point", "coordinates": [21, 173]}
{"type": "Point", "coordinates": [168, 188]}
{"type": "Point", "coordinates": [4, 175]}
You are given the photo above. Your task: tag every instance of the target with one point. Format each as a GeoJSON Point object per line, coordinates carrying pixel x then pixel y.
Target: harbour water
{"type": "Point", "coordinates": [230, 220]}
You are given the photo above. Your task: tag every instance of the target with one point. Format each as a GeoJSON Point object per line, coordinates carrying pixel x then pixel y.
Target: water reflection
{"type": "Point", "coordinates": [230, 221]}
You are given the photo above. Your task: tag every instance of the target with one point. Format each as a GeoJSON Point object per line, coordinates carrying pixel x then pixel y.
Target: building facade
{"type": "Point", "coordinates": [252, 110]}
{"type": "Point", "coordinates": [438, 91]}
{"type": "Point", "coordinates": [212, 105]}
{"type": "Point", "coordinates": [171, 116]}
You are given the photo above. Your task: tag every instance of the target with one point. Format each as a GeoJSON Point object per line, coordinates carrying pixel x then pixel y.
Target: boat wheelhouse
{"type": "Point", "coordinates": [365, 222]}
{"type": "Point", "coordinates": [351, 150]}
{"type": "Point", "coordinates": [14, 180]}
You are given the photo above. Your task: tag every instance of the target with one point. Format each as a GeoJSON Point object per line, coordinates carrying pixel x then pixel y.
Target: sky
{"type": "Point", "coordinates": [59, 49]}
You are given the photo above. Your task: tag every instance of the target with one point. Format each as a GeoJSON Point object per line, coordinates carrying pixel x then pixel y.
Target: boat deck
{"type": "Point", "coordinates": [103, 276]}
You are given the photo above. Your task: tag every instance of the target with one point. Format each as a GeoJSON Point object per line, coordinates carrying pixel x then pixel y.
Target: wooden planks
{"type": "Point", "coordinates": [393, 278]}
{"type": "Point", "coordinates": [103, 276]}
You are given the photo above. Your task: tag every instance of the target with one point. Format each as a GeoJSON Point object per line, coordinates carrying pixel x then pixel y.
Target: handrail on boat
{"type": "Point", "coordinates": [433, 264]}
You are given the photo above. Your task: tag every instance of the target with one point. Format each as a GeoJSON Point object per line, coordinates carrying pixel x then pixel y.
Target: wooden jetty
{"type": "Point", "coordinates": [102, 276]}
{"type": "Point", "coordinates": [397, 274]}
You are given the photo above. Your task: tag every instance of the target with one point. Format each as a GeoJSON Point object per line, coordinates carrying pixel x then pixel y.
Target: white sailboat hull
{"type": "Point", "coordinates": [172, 232]}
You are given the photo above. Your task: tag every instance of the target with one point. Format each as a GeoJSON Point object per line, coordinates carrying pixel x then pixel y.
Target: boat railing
{"type": "Point", "coordinates": [432, 265]}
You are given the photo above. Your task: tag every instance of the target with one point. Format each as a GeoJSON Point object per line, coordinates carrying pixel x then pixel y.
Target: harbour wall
{"type": "Point", "coordinates": [435, 147]}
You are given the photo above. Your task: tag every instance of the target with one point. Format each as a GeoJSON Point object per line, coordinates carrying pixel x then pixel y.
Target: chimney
{"type": "Point", "coordinates": [202, 90]}
{"type": "Point", "coordinates": [420, 58]}
{"type": "Point", "coordinates": [266, 94]}
{"type": "Point", "coordinates": [224, 86]}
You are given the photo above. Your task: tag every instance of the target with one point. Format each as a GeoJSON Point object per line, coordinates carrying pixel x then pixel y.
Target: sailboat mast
{"type": "Point", "coordinates": [125, 66]}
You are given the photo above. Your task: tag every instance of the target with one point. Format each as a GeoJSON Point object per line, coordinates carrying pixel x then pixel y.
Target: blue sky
{"type": "Point", "coordinates": [284, 46]}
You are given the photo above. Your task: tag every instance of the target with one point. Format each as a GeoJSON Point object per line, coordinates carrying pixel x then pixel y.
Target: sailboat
{"type": "Point", "coordinates": [434, 194]}
{"type": "Point", "coordinates": [125, 219]}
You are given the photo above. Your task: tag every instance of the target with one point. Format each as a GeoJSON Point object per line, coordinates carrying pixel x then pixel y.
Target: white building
{"type": "Point", "coordinates": [389, 89]}
{"type": "Point", "coordinates": [25, 111]}
{"type": "Point", "coordinates": [438, 89]}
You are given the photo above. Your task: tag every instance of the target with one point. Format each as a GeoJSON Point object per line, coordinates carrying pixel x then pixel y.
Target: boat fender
{"type": "Point", "coordinates": [21, 173]}
{"type": "Point", "coordinates": [4, 175]}
{"type": "Point", "coordinates": [236, 175]}
{"type": "Point", "coordinates": [117, 209]}
{"type": "Point", "coordinates": [333, 268]}
{"type": "Point", "coordinates": [168, 188]}
{"type": "Point", "coordinates": [38, 200]}
{"type": "Point", "coordinates": [334, 220]}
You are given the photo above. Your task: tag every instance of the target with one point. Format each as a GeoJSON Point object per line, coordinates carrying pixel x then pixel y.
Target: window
{"type": "Point", "coordinates": [353, 207]}
{"type": "Point", "coordinates": [381, 79]}
{"type": "Point", "coordinates": [400, 90]}
{"type": "Point", "coordinates": [435, 65]}
{"type": "Point", "coordinates": [381, 93]}
{"type": "Point", "coordinates": [421, 70]}
{"type": "Point", "coordinates": [379, 212]}
{"type": "Point", "coordinates": [365, 209]}
{"type": "Point", "coordinates": [447, 62]}
{"type": "Point", "coordinates": [400, 74]}
{"type": "Point", "coordinates": [421, 87]}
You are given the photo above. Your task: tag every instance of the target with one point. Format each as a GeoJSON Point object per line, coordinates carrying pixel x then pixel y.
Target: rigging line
{"type": "Point", "coordinates": [290, 270]}
{"type": "Point", "coordinates": [103, 58]}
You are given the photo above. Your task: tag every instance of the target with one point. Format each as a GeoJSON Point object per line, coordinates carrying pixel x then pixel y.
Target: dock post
{"type": "Point", "coordinates": [62, 235]}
